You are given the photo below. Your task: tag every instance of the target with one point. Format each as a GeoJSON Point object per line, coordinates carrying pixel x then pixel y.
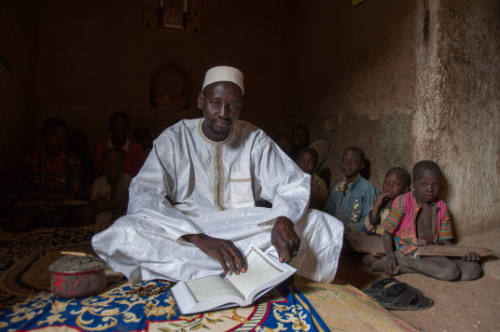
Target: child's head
{"type": "Point", "coordinates": [353, 161]}
{"type": "Point", "coordinates": [119, 125]}
{"type": "Point", "coordinates": [396, 181]}
{"type": "Point", "coordinates": [427, 180]}
{"type": "Point", "coordinates": [54, 134]}
{"type": "Point", "coordinates": [307, 159]}
{"type": "Point", "coordinates": [112, 162]}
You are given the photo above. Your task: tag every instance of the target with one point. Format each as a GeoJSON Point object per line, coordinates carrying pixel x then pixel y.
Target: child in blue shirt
{"type": "Point", "coordinates": [350, 200]}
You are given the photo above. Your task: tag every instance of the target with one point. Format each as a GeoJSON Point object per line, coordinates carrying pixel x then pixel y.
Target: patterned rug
{"type": "Point", "coordinates": [122, 309]}
{"type": "Point", "coordinates": [24, 259]}
{"type": "Point", "coordinates": [27, 304]}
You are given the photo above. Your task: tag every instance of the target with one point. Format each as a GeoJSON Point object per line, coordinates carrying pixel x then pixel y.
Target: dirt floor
{"type": "Point", "coordinates": [459, 306]}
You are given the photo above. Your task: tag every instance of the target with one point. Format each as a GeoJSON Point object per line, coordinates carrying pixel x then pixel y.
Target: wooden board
{"type": "Point", "coordinates": [372, 244]}
{"type": "Point", "coordinates": [452, 251]}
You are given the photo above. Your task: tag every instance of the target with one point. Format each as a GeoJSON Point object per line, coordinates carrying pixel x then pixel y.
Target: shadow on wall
{"type": "Point", "coordinates": [366, 171]}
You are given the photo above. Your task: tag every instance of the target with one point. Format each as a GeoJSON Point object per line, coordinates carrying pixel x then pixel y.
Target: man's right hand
{"type": "Point", "coordinates": [228, 255]}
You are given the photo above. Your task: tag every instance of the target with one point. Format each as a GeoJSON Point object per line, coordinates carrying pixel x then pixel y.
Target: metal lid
{"type": "Point", "coordinates": [75, 264]}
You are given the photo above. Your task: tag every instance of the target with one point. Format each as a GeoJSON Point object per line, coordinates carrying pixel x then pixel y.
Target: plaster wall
{"type": "Point", "coordinates": [97, 58]}
{"type": "Point", "coordinates": [405, 81]}
{"type": "Point", "coordinates": [18, 39]}
{"type": "Point", "coordinates": [353, 78]}
{"type": "Point", "coordinates": [457, 122]}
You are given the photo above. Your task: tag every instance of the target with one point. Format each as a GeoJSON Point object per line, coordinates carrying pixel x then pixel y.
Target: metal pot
{"type": "Point", "coordinates": [77, 276]}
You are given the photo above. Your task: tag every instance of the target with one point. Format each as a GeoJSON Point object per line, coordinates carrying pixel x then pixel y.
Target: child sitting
{"type": "Point", "coordinates": [418, 218]}
{"type": "Point", "coordinates": [133, 155]}
{"type": "Point", "coordinates": [350, 200]}
{"type": "Point", "coordinates": [50, 177]}
{"type": "Point", "coordinates": [396, 181]}
{"type": "Point", "coordinates": [306, 160]}
{"type": "Point", "coordinates": [110, 191]}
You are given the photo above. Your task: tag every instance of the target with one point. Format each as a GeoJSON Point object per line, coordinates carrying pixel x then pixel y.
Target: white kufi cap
{"type": "Point", "coordinates": [224, 74]}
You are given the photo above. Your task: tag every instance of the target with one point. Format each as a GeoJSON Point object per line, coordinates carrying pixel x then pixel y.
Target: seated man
{"type": "Point", "coordinates": [133, 154]}
{"type": "Point", "coordinates": [351, 199]}
{"type": "Point", "coordinates": [418, 218]}
{"type": "Point", "coordinates": [51, 176]}
{"type": "Point", "coordinates": [110, 190]}
{"type": "Point", "coordinates": [306, 160]}
{"type": "Point", "coordinates": [192, 206]}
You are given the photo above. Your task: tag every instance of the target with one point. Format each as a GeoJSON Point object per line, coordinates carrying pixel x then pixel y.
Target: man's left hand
{"type": "Point", "coordinates": [284, 239]}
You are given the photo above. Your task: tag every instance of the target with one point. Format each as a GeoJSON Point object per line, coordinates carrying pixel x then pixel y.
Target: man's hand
{"type": "Point", "coordinates": [284, 239]}
{"type": "Point", "coordinates": [228, 255]}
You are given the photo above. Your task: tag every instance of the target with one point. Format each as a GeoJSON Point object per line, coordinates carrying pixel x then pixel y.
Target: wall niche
{"type": "Point", "coordinates": [170, 88]}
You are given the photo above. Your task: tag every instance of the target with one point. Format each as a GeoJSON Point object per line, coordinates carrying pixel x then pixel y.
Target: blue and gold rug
{"type": "Point", "coordinates": [123, 309]}
{"type": "Point", "coordinates": [26, 303]}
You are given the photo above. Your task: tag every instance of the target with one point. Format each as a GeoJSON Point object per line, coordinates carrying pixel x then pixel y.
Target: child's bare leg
{"type": "Point", "coordinates": [441, 268]}
{"type": "Point", "coordinates": [369, 259]}
{"type": "Point", "coordinates": [379, 266]}
{"type": "Point", "coordinates": [469, 270]}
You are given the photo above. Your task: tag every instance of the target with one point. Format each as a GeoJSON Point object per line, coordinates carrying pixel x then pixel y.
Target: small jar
{"type": "Point", "coordinates": [77, 276]}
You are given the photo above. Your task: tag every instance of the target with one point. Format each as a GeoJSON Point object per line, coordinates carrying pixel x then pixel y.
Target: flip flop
{"type": "Point", "coordinates": [393, 294]}
{"type": "Point", "coordinates": [377, 287]}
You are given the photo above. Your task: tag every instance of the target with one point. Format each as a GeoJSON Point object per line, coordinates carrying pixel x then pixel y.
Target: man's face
{"type": "Point", "coordinates": [221, 104]}
{"type": "Point", "coordinates": [428, 185]}
{"type": "Point", "coordinates": [351, 163]}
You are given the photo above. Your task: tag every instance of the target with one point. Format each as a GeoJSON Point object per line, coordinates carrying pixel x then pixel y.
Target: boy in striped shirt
{"type": "Point", "coordinates": [418, 218]}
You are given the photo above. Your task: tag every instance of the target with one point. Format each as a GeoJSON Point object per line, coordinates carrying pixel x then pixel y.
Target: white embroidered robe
{"type": "Point", "coordinates": [190, 184]}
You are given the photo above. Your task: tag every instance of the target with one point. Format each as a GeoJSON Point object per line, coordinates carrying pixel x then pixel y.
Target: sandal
{"type": "Point", "coordinates": [396, 295]}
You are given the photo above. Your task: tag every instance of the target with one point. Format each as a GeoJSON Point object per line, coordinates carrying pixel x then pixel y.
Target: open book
{"type": "Point", "coordinates": [216, 292]}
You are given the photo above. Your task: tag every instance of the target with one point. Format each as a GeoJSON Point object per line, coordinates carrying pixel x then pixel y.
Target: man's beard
{"type": "Point", "coordinates": [220, 131]}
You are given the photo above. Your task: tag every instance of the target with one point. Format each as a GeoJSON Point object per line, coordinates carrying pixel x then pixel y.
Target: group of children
{"type": "Point", "coordinates": [59, 177]}
{"type": "Point", "coordinates": [405, 219]}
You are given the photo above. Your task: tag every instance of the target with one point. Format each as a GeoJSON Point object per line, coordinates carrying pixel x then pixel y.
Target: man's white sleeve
{"type": "Point", "coordinates": [150, 191]}
{"type": "Point", "coordinates": [279, 180]}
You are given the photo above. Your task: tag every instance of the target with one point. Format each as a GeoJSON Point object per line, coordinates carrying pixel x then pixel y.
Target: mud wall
{"type": "Point", "coordinates": [457, 122]}
{"type": "Point", "coordinates": [97, 58]}
{"type": "Point", "coordinates": [405, 81]}
{"type": "Point", "coordinates": [18, 51]}
{"type": "Point", "coordinates": [353, 78]}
